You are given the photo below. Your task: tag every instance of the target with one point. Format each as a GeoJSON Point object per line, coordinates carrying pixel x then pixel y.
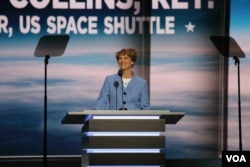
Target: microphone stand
{"type": "Point", "coordinates": [46, 62]}
{"type": "Point", "coordinates": [122, 96]}
{"type": "Point", "coordinates": [49, 46]}
{"type": "Point", "coordinates": [116, 84]}
{"type": "Point", "coordinates": [237, 62]}
{"type": "Point", "coordinates": [228, 47]}
{"type": "Point", "coordinates": [120, 73]}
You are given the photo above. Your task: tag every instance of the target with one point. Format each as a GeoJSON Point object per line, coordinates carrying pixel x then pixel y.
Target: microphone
{"type": "Point", "coordinates": [120, 72]}
{"type": "Point", "coordinates": [116, 84]}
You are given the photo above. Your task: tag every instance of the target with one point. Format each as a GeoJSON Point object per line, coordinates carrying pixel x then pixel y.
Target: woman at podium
{"type": "Point", "coordinates": [124, 90]}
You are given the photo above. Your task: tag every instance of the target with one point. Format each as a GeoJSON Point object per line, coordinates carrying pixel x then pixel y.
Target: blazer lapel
{"type": "Point", "coordinates": [131, 83]}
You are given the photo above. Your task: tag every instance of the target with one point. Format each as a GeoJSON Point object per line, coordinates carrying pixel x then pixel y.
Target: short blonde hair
{"type": "Point", "coordinates": [128, 51]}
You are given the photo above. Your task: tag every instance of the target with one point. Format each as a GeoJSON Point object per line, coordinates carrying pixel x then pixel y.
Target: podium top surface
{"type": "Point", "coordinates": [81, 117]}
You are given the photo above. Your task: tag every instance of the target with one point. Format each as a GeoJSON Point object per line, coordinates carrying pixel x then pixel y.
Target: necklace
{"type": "Point", "coordinates": [126, 81]}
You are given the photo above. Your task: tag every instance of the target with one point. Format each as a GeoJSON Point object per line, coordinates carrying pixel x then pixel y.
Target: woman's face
{"type": "Point", "coordinates": [125, 62]}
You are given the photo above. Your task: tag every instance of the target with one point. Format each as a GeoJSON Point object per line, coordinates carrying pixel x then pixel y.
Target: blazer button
{"type": "Point", "coordinates": [124, 102]}
{"type": "Point", "coordinates": [124, 93]}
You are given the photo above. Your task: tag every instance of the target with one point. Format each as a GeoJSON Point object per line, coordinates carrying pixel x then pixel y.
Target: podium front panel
{"type": "Point", "coordinates": [97, 142]}
{"type": "Point", "coordinates": [119, 159]}
{"type": "Point", "coordinates": [97, 125]}
{"type": "Point", "coordinates": [124, 141]}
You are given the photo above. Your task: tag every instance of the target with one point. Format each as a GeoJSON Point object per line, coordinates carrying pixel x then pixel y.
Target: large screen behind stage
{"type": "Point", "coordinates": [176, 57]}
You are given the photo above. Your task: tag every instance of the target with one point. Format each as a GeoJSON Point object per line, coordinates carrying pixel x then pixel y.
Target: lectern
{"type": "Point", "coordinates": [123, 138]}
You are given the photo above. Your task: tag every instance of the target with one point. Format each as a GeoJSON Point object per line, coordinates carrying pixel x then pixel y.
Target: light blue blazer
{"type": "Point", "coordinates": [134, 96]}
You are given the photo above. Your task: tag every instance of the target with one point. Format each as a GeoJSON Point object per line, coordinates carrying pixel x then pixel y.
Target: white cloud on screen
{"type": "Point", "coordinates": [167, 83]}
{"type": "Point", "coordinates": [194, 128]}
{"type": "Point", "coordinates": [84, 81]}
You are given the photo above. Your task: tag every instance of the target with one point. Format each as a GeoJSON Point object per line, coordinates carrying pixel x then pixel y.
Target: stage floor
{"type": "Point", "coordinates": [76, 162]}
